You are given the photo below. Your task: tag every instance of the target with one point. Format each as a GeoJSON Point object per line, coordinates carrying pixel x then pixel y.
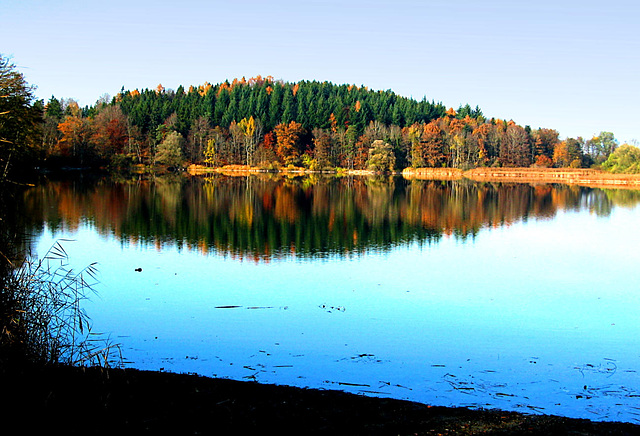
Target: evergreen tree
{"type": "Point", "coordinates": [220, 108]}
{"type": "Point", "coordinates": [288, 106]}
{"type": "Point", "coordinates": [275, 106]}
{"type": "Point", "coordinates": [231, 112]}
{"type": "Point", "coordinates": [262, 105]}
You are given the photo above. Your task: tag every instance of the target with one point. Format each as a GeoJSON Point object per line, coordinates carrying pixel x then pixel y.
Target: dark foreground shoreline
{"type": "Point", "coordinates": [94, 401]}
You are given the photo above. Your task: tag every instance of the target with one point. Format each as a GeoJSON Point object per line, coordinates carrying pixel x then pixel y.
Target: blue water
{"type": "Point", "coordinates": [538, 316]}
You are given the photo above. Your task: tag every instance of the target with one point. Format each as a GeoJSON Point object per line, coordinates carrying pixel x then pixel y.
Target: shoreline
{"type": "Point", "coordinates": [130, 401]}
{"type": "Point", "coordinates": [570, 176]}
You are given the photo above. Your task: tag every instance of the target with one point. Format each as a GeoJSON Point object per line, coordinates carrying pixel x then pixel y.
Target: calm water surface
{"type": "Point", "coordinates": [450, 293]}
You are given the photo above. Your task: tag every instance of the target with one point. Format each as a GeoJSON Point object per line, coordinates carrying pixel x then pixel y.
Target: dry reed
{"type": "Point", "coordinates": [44, 321]}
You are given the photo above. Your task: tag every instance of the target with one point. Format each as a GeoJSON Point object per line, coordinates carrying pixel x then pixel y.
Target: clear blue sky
{"type": "Point", "coordinates": [573, 66]}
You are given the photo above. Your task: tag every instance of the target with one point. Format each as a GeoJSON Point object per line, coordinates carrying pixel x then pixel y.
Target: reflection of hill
{"type": "Point", "coordinates": [260, 217]}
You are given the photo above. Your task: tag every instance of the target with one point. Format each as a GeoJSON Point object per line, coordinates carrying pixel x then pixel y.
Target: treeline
{"type": "Point", "coordinates": [255, 121]}
{"type": "Point", "coordinates": [268, 123]}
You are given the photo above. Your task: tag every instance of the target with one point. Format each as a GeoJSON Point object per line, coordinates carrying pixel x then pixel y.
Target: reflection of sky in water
{"type": "Point", "coordinates": [536, 316]}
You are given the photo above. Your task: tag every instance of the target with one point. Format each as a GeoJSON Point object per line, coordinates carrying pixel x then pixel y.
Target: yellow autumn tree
{"type": "Point", "coordinates": [248, 129]}
{"type": "Point", "coordinates": [210, 153]}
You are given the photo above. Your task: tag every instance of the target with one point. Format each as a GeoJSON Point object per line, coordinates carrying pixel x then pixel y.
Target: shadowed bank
{"type": "Point", "coordinates": [99, 401]}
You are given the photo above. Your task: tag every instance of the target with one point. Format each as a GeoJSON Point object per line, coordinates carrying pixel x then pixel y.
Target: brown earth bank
{"type": "Point", "coordinates": [96, 401]}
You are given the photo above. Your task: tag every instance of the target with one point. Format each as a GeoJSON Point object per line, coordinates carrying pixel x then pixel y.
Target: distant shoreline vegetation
{"type": "Point", "coordinates": [270, 124]}
{"type": "Point", "coordinates": [317, 126]}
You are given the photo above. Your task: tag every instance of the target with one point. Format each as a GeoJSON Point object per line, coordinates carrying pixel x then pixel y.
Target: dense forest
{"type": "Point", "coordinates": [270, 124]}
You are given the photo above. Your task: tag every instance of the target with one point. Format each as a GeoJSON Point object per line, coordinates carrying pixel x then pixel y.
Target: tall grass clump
{"type": "Point", "coordinates": [42, 318]}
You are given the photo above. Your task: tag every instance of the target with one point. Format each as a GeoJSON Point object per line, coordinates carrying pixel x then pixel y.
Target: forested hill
{"type": "Point", "coordinates": [312, 104]}
{"type": "Point", "coordinates": [318, 125]}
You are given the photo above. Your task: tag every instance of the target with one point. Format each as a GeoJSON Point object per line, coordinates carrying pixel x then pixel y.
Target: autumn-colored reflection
{"type": "Point", "coordinates": [261, 217]}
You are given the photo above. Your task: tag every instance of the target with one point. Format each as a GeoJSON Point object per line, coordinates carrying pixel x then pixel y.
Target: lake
{"type": "Point", "coordinates": [487, 295]}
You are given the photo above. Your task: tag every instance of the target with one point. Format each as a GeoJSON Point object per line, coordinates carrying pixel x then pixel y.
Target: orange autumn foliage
{"type": "Point", "coordinates": [287, 141]}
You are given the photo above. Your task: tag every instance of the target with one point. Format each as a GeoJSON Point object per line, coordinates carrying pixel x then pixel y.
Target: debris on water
{"type": "Point", "coordinates": [609, 367]}
{"type": "Point", "coordinates": [384, 383]}
{"type": "Point", "coordinates": [227, 307]}
{"type": "Point", "coordinates": [353, 384]}
{"type": "Point", "coordinates": [365, 357]}
{"type": "Point", "coordinates": [332, 308]}
{"type": "Point", "coordinates": [372, 392]}
{"type": "Point", "coordinates": [260, 307]}
{"type": "Point", "coordinates": [462, 386]}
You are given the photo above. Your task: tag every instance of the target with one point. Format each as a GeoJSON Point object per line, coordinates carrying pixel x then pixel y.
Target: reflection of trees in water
{"type": "Point", "coordinates": [622, 197]}
{"type": "Point", "coordinates": [167, 197]}
{"type": "Point", "coordinates": [264, 216]}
